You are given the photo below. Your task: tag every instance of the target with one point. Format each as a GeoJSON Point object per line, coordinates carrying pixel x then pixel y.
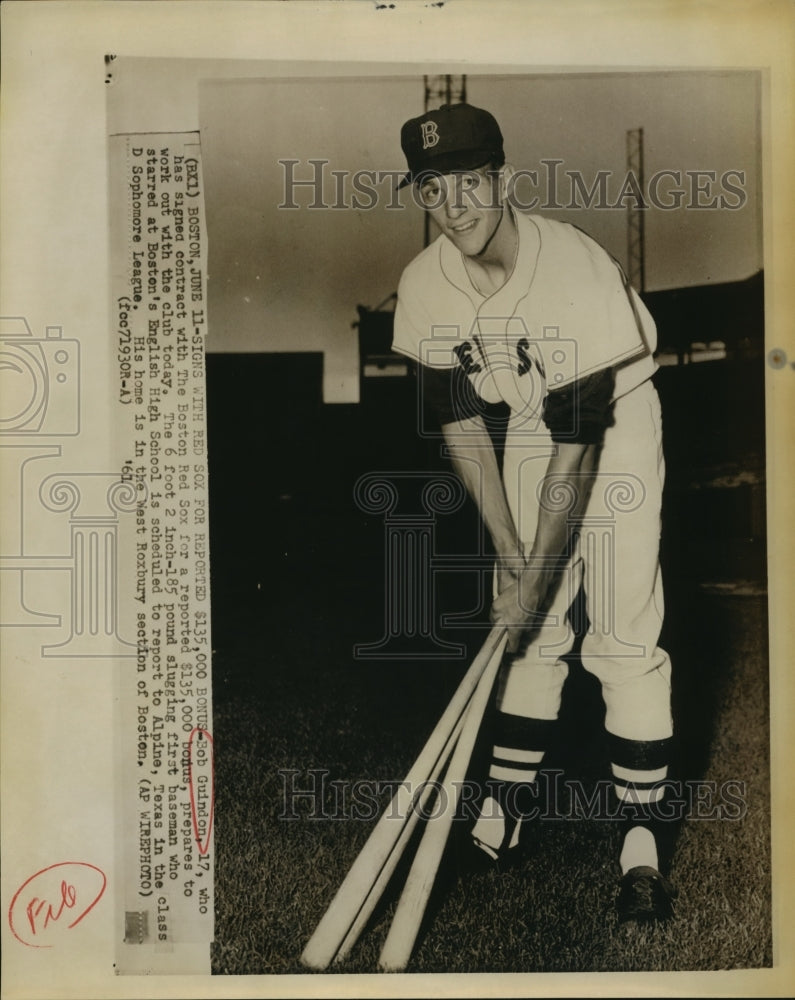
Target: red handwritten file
{"type": "Point", "coordinates": [53, 901]}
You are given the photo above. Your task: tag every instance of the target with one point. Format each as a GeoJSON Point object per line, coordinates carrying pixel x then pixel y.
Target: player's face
{"type": "Point", "coordinates": [466, 206]}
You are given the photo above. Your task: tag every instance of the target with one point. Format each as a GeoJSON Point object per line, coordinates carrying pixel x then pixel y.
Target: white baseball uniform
{"type": "Point", "coordinates": [564, 315]}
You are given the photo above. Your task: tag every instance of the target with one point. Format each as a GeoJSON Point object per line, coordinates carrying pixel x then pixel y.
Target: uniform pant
{"type": "Point", "coordinates": [615, 558]}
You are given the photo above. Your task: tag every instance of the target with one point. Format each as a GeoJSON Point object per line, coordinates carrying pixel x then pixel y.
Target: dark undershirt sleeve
{"type": "Point", "coordinates": [449, 395]}
{"type": "Point", "coordinates": [580, 412]}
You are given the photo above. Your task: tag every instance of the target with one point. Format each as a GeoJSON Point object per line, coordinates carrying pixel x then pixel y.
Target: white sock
{"type": "Point", "coordinates": [514, 836]}
{"type": "Point", "coordinates": [640, 848]}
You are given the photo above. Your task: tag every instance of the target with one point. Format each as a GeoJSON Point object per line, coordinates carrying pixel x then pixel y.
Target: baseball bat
{"type": "Point", "coordinates": [386, 872]}
{"type": "Point", "coordinates": [387, 840]}
{"type": "Point", "coordinates": [414, 898]}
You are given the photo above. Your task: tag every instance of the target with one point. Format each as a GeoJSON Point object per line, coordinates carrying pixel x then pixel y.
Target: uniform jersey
{"type": "Point", "coordinates": [565, 313]}
{"type": "Point", "coordinates": [565, 320]}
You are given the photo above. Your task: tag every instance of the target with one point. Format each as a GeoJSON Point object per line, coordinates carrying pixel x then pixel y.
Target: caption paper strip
{"type": "Point", "coordinates": [164, 734]}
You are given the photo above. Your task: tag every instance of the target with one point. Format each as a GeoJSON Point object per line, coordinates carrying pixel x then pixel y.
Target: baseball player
{"type": "Point", "coordinates": [507, 307]}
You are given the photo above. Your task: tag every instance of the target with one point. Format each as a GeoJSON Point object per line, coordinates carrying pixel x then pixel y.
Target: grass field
{"type": "Point", "coordinates": [289, 695]}
{"type": "Point", "coordinates": [275, 877]}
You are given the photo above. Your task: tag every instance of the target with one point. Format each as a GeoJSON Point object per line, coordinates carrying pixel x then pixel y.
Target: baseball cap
{"type": "Point", "coordinates": [453, 137]}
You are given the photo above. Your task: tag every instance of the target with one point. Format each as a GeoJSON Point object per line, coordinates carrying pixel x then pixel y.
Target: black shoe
{"type": "Point", "coordinates": [473, 858]}
{"type": "Point", "coordinates": [645, 896]}
{"type": "Point", "coordinates": [502, 860]}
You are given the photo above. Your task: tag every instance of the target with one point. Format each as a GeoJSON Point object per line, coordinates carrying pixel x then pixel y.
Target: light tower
{"type": "Point", "coordinates": [636, 245]}
{"type": "Point", "coordinates": [445, 89]}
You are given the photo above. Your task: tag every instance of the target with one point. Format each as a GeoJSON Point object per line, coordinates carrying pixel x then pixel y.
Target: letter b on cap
{"type": "Point", "coordinates": [430, 134]}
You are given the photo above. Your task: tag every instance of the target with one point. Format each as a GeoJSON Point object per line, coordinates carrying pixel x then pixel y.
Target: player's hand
{"type": "Point", "coordinates": [516, 608]}
{"type": "Point", "coordinates": [509, 571]}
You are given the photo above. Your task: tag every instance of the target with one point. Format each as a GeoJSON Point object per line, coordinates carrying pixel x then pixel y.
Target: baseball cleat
{"type": "Point", "coordinates": [475, 856]}
{"type": "Point", "coordinates": [503, 859]}
{"type": "Point", "coordinates": [470, 856]}
{"type": "Point", "coordinates": [645, 896]}
{"type": "Point", "coordinates": [478, 857]}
